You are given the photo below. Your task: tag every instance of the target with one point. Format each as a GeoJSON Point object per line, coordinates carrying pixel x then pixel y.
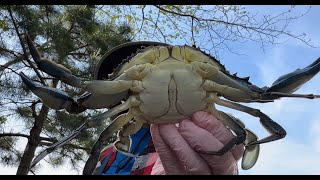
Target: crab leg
{"type": "Point", "coordinates": [99, 144]}
{"type": "Point", "coordinates": [52, 68]}
{"type": "Point", "coordinates": [96, 121]}
{"type": "Point", "coordinates": [230, 93]}
{"type": "Point", "coordinates": [129, 80]}
{"type": "Point", "coordinates": [234, 126]}
{"type": "Point", "coordinates": [123, 143]}
{"type": "Point", "coordinates": [213, 73]}
{"type": "Point", "coordinates": [57, 145]}
{"type": "Point", "coordinates": [251, 152]}
{"type": "Point", "coordinates": [57, 99]}
{"type": "Point", "coordinates": [107, 87]}
{"type": "Point", "coordinates": [276, 131]}
{"type": "Point", "coordinates": [274, 95]}
{"type": "Point", "coordinates": [243, 135]}
{"type": "Point", "coordinates": [115, 125]}
{"type": "Point", "coordinates": [229, 121]}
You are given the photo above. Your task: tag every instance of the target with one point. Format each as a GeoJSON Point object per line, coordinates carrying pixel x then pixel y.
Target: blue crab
{"type": "Point", "coordinates": [161, 84]}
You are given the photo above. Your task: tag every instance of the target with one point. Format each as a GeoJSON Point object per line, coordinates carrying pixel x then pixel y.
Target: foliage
{"type": "Point", "coordinates": [214, 28]}
{"type": "Point", "coordinates": [69, 35]}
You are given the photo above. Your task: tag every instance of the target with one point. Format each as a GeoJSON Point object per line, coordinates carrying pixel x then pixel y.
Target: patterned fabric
{"type": "Point", "coordinates": [144, 164]}
{"type": "Point", "coordinates": [112, 162]}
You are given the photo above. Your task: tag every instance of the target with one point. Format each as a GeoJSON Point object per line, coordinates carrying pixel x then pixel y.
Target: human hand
{"type": "Point", "coordinates": [177, 147]}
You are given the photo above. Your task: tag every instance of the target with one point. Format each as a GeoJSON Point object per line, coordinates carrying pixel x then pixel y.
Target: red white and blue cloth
{"type": "Point", "coordinates": [112, 162]}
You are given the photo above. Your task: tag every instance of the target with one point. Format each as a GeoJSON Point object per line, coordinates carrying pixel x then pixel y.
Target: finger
{"type": "Point", "coordinates": [210, 123]}
{"type": "Point", "coordinates": [202, 140]}
{"type": "Point", "coordinates": [237, 151]}
{"type": "Point", "coordinates": [192, 161]}
{"type": "Point", "coordinates": [170, 162]}
{"type": "Point", "coordinates": [198, 138]}
{"type": "Point", "coordinates": [217, 129]}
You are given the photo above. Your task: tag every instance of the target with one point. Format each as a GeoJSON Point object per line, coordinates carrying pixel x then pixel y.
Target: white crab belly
{"type": "Point", "coordinates": [172, 93]}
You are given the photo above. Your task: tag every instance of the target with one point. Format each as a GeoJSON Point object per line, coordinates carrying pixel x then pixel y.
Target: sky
{"type": "Point", "coordinates": [299, 151]}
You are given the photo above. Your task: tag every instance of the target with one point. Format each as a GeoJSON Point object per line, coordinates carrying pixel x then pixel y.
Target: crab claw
{"type": "Point", "coordinates": [291, 82]}
{"type": "Point", "coordinates": [52, 98]}
{"type": "Point", "coordinates": [52, 68]}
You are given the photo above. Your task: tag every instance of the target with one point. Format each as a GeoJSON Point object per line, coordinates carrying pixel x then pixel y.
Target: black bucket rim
{"type": "Point", "coordinates": [100, 70]}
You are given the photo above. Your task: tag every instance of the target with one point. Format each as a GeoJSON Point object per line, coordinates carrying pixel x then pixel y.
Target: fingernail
{"type": "Point", "coordinates": [182, 124]}
{"type": "Point", "coordinates": [200, 115]}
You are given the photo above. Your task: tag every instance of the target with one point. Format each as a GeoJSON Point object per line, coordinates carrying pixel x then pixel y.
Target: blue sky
{"type": "Point", "coordinates": [299, 151]}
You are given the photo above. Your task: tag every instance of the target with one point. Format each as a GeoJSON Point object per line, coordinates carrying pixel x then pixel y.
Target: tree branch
{"type": "Point", "coordinates": [23, 48]}
{"type": "Point", "coordinates": [3, 67]}
{"type": "Point", "coordinates": [266, 28]}
{"type": "Point", "coordinates": [10, 63]}
{"type": "Point", "coordinates": [8, 51]}
{"type": "Point", "coordinates": [50, 141]}
{"type": "Point", "coordinates": [26, 136]}
{"type": "Point", "coordinates": [73, 146]}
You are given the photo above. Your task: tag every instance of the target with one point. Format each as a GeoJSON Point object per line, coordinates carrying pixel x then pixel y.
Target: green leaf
{"type": "Point", "coordinates": [4, 25]}
{"type": "Point", "coordinates": [129, 18]}
{"type": "Point", "coordinates": [2, 119]}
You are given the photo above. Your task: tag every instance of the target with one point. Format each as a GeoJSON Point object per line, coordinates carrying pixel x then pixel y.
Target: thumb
{"type": "Point", "coordinates": [169, 160]}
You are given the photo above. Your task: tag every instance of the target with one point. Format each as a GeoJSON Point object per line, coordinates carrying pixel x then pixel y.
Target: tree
{"type": "Point", "coordinates": [213, 28]}
{"type": "Point", "coordinates": [70, 35]}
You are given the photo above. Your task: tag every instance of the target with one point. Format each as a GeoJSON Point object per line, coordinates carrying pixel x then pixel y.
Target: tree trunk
{"type": "Point", "coordinates": [33, 142]}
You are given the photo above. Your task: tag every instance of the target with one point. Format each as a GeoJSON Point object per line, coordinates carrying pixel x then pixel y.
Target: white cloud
{"type": "Point", "coordinates": [272, 66]}
{"type": "Point", "coordinates": [315, 133]}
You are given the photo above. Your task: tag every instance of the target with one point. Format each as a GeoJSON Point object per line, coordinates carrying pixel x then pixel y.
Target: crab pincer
{"type": "Point", "coordinates": [52, 68]}
{"type": "Point", "coordinates": [291, 82]}
{"type": "Point", "coordinates": [51, 97]}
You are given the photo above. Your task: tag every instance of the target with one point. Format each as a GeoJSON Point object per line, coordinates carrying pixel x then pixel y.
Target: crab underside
{"type": "Point", "coordinates": [165, 84]}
